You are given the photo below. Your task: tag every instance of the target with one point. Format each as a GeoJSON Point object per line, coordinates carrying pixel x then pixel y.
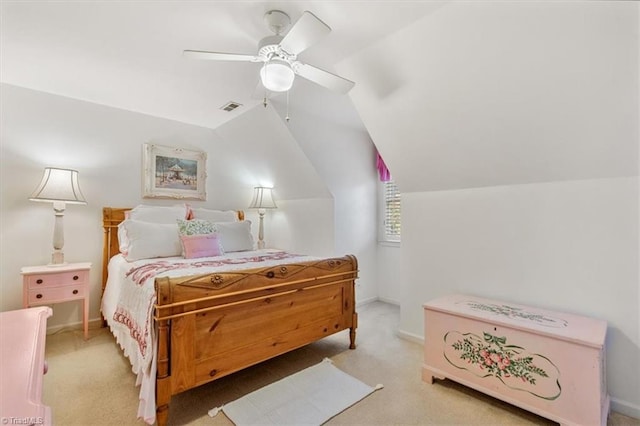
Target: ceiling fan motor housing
{"type": "Point", "coordinates": [269, 41]}
{"type": "Point", "coordinates": [279, 53]}
{"type": "Point", "coordinates": [270, 47]}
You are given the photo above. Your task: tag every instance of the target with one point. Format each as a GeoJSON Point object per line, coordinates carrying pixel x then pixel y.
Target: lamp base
{"type": "Point", "coordinates": [261, 244]}
{"type": "Point", "coordinates": [57, 259]}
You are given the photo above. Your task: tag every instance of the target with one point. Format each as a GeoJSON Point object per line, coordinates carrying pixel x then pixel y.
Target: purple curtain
{"type": "Point", "coordinates": [383, 171]}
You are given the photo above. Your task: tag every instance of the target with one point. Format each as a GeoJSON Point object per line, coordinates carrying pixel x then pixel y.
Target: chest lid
{"type": "Point", "coordinates": [564, 326]}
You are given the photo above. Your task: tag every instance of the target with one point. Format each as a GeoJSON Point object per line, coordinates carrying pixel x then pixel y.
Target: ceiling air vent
{"type": "Point", "coordinates": [230, 106]}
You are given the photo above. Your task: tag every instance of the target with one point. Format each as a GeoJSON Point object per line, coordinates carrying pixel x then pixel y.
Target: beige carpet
{"type": "Point", "coordinates": [90, 382]}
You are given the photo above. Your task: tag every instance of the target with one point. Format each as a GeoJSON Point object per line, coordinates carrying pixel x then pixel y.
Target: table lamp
{"type": "Point", "coordinates": [262, 200]}
{"type": "Point", "coordinates": [58, 186]}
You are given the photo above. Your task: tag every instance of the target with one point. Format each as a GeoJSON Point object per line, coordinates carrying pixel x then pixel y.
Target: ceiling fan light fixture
{"type": "Point", "coordinates": [278, 53]}
{"type": "Point", "coordinates": [277, 76]}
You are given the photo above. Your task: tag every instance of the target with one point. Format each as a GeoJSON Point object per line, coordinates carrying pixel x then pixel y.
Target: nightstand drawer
{"type": "Point", "coordinates": [70, 278]}
{"type": "Point", "coordinates": [55, 294]}
{"type": "Point", "coordinates": [49, 284]}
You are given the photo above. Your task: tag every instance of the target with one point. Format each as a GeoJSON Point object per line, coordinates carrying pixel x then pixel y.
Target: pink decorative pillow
{"type": "Point", "coordinates": [204, 245]}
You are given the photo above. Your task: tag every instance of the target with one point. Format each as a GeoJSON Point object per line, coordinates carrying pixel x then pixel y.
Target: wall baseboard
{"type": "Point", "coordinates": [625, 407]}
{"type": "Point", "coordinates": [389, 301]}
{"type": "Point", "coordinates": [93, 323]}
{"type": "Point", "coordinates": [366, 301]}
{"type": "Point", "coordinates": [415, 338]}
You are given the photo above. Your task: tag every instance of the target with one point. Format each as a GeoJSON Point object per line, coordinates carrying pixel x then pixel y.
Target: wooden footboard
{"type": "Point", "coordinates": [210, 326]}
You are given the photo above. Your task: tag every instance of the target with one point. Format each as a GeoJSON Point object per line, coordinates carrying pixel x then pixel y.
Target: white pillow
{"type": "Point", "coordinates": [235, 236]}
{"type": "Point", "coordinates": [215, 215]}
{"type": "Point", "coordinates": [123, 240]}
{"type": "Point", "coordinates": [147, 240]}
{"type": "Point", "coordinates": [159, 214]}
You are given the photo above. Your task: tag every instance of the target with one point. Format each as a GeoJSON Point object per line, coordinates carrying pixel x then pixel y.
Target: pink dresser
{"type": "Point", "coordinates": [22, 338]}
{"type": "Point", "coordinates": [550, 363]}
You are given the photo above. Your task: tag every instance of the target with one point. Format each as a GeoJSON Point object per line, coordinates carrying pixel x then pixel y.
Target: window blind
{"type": "Point", "coordinates": [392, 223]}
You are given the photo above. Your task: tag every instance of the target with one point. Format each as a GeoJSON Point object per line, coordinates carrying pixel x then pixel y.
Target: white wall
{"type": "Point", "coordinates": [536, 106]}
{"type": "Point", "coordinates": [331, 135]}
{"type": "Point", "coordinates": [569, 246]}
{"type": "Point", "coordinates": [388, 268]}
{"type": "Point", "coordinates": [105, 145]}
{"type": "Point", "coordinates": [303, 226]}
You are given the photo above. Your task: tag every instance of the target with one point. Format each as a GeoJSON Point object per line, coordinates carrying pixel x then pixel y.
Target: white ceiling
{"type": "Point", "coordinates": [128, 54]}
{"type": "Point", "coordinates": [504, 93]}
{"type": "Point", "coordinates": [455, 94]}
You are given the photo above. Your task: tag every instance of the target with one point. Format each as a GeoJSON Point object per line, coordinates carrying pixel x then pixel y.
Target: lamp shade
{"type": "Point", "coordinates": [277, 75]}
{"type": "Point", "coordinates": [262, 198]}
{"type": "Point", "coordinates": [59, 185]}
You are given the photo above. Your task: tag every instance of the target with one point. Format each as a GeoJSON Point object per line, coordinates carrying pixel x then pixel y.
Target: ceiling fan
{"type": "Point", "coordinates": [279, 54]}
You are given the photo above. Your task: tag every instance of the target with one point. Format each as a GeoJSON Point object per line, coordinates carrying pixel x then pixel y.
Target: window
{"type": "Point", "coordinates": [391, 212]}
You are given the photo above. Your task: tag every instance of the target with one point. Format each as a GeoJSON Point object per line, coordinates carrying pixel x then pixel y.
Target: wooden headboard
{"type": "Point", "coordinates": [111, 218]}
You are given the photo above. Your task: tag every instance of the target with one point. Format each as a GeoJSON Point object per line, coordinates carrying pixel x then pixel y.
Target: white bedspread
{"type": "Point", "coordinates": [129, 297]}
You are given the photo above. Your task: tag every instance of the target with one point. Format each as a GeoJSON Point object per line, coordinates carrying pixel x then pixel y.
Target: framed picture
{"type": "Point", "coordinates": [173, 173]}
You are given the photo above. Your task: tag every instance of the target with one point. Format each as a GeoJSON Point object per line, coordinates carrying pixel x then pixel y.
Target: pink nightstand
{"type": "Point", "coordinates": [45, 285]}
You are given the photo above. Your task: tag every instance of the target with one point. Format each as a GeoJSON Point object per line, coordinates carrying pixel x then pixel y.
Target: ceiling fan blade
{"type": "Point", "coordinates": [305, 32]}
{"type": "Point", "coordinates": [217, 56]}
{"type": "Point", "coordinates": [324, 78]}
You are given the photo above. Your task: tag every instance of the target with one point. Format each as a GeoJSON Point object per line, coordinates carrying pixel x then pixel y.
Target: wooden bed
{"type": "Point", "coordinates": [209, 326]}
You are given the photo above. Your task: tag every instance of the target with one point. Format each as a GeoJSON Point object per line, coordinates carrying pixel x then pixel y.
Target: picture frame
{"type": "Point", "coordinates": [173, 173]}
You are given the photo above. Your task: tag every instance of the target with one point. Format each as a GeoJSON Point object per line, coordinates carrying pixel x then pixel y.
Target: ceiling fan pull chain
{"type": "Point", "coordinates": [264, 100]}
{"type": "Point", "coordinates": [287, 117]}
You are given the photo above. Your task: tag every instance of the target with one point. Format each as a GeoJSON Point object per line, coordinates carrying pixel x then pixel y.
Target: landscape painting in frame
{"type": "Point", "coordinates": [173, 173]}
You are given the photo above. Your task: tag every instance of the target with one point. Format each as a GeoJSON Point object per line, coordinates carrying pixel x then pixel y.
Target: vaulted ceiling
{"type": "Point", "coordinates": [128, 54]}
{"type": "Point", "coordinates": [454, 94]}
